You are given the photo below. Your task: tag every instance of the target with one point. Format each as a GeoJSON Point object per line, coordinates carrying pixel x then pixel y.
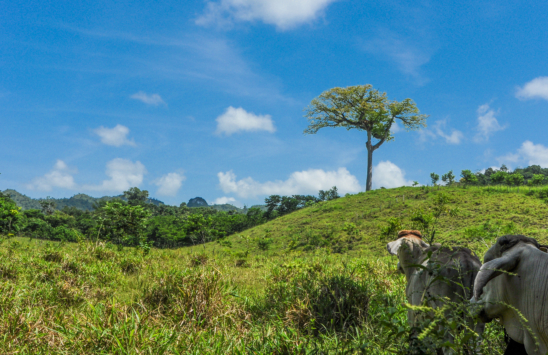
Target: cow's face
{"type": "Point", "coordinates": [409, 249]}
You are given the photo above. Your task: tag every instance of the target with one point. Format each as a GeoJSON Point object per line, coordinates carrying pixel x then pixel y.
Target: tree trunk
{"type": "Point", "coordinates": [369, 163]}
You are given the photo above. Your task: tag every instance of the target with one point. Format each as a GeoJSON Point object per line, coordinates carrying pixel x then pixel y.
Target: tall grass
{"type": "Point", "coordinates": [93, 298]}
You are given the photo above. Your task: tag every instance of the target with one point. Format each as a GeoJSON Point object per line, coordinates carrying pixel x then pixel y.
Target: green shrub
{"type": "Point", "coordinates": [130, 265]}
{"type": "Point", "coordinates": [102, 252]}
{"type": "Point", "coordinates": [264, 243]}
{"type": "Point", "coordinates": [62, 233]}
{"type": "Point", "coordinates": [198, 259]}
{"type": "Point", "coordinates": [390, 232]}
{"type": "Point", "coordinates": [53, 256]}
{"type": "Point", "coordinates": [314, 300]}
{"type": "Point", "coordinates": [8, 271]}
{"type": "Point", "coordinates": [189, 296]}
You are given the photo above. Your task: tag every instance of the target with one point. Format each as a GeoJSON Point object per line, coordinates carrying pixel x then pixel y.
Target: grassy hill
{"type": "Point", "coordinates": [473, 216]}
{"type": "Point", "coordinates": [316, 281]}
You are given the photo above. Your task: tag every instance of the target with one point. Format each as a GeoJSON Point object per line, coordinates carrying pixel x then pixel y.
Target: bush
{"type": "Point", "coordinates": [53, 256]}
{"type": "Point", "coordinates": [189, 296]}
{"type": "Point", "coordinates": [198, 259]}
{"type": "Point", "coordinates": [264, 243]}
{"type": "Point", "coordinates": [65, 234]}
{"type": "Point", "coordinates": [130, 265]}
{"type": "Point", "coordinates": [314, 300]}
{"type": "Point", "coordinates": [8, 271]}
{"type": "Point", "coordinates": [102, 252]}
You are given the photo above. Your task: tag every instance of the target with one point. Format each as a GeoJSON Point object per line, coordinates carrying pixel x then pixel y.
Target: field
{"type": "Point", "coordinates": [317, 281]}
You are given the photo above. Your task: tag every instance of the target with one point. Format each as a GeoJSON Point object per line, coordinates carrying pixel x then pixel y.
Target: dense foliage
{"type": "Point", "coordinates": [135, 221]}
{"type": "Point", "coordinates": [532, 175]}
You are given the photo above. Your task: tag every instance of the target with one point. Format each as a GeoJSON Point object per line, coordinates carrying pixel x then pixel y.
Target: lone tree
{"type": "Point", "coordinates": [366, 109]}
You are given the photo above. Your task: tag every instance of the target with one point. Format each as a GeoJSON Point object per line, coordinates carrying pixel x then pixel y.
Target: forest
{"type": "Point", "coordinates": [133, 219]}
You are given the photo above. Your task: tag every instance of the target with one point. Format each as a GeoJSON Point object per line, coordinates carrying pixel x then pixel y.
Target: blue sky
{"type": "Point", "coordinates": [206, 98]}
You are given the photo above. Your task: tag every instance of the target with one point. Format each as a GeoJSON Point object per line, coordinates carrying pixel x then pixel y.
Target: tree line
{"type": "Point", "coordinates": [134, 221]}
{"type": "Point", "coordinates": [532, 175]}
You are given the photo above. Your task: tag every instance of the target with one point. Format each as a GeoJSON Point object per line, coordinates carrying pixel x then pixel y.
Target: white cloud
{"type": "Point", "coordinates": [224, 200]}
{"type": "Point", "coordinates": [300, 182]}
{"type": "Point", "coordinates": [59, 176]}
{"type": "Point", "coordinates": [409, 57]}
{"type": "Point", "coordinates": [487, 124]}
{"type": "Point", "coordinates": [455, 137]}
{"type": "Point", "coordinates": [387, 174]}
{"type": "Point", "coordinates": [123, 174]}
{"type": "Point", "coordinates": [153, 99]}
{"type": "Point", "coordinates": [536, 88]}
{"type": "Point", "coordinates": [529, 153]}
{"type": "Point", "coordinates": [170, 184]}
{"type": "Point", "coordinates": [284, 14]}
{"type": "Point", "coordinates": [535, 154]}
{"type": "Point", "coordinates": [238, 119]}
{"type": "Point", "coordinates": [116, 136]}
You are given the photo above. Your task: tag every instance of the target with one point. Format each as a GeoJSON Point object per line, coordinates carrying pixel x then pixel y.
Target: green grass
{"type": "Point", "coordinates": [353, 224]}
{"type": "Point", "coordinates": [325, 285]}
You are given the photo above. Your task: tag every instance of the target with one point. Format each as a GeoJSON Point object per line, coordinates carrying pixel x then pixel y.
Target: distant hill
{"type": "Point", "coordinates": [85, 202]}
{"type": "Point", "coordinates": [80, 201]}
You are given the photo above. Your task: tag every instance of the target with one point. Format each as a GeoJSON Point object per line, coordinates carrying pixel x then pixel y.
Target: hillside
{"type": "Point", "coordinates": [474, 216]}
{"type": "Point", "coordinates": [323, 267]}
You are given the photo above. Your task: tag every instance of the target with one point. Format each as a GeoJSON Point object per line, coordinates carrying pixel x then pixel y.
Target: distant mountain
{"type": "Point", "coordinates": [80, 201]}
{"type": "Point", "coordinates": [197, 202]}
{"type": "Point", "coordinates": [85, 202]}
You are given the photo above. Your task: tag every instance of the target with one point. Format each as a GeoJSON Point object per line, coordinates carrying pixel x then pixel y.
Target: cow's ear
{"type": "Point", "coordinates": [394, 246]}
{"type": "Point", "coordinates": [544, 249]}
{"type": "Point", "coordinates": [494, 268]}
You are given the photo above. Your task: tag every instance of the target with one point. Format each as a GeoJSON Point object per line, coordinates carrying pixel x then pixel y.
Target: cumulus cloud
{"type": "Point", "coordinates": [529, 153]}
{"type": "Point", "coordinates": [439, 130]}
{"type": "Point", "coordinates": [153, 99]}
{"type": "Point", "coordinates": [59, 176]}
{"type": "Point", "coordinates": [284, 14]}
{"type": "Point", "coordinates": [224, 200]}
{"type": "Point", "coordinates": [536, 88]}
{"type": "Point", "coordinates": [122, 174]}
{"type": "Point", "coordinates": [237, 119]}
{"type": "Point", "coordinates": [387, 174]}
{"type": "Point", "coordinates": [169, 184]}
{"type": "Point", "coordinates": [487, 124]}
{"type": "Point", "coordinates": [116, 136]}
{"type": "Point", "coordinates": [300, 182]}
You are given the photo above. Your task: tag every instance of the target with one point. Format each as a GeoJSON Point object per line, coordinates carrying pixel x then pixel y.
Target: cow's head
{"type": "Point", "coordinates": [409, 248]}
{"type": "Point", "coordinates": [503, 256]}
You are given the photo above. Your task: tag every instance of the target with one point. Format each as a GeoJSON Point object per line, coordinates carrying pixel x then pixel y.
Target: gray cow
{"type": "Point", "coordinates": [515, 278]}
{"type": "Point", "coordinates": [446, 273]}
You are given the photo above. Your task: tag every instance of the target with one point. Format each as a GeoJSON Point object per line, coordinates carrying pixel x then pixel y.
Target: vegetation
{"type": "Point", "coordinates": [363, 108]}
{"type": "Point", "coordinates": [306, 275]}
{"type": "Point", "coordinates": [91, 298]}
{"type": "Point", "coordinates": [134, 221]}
